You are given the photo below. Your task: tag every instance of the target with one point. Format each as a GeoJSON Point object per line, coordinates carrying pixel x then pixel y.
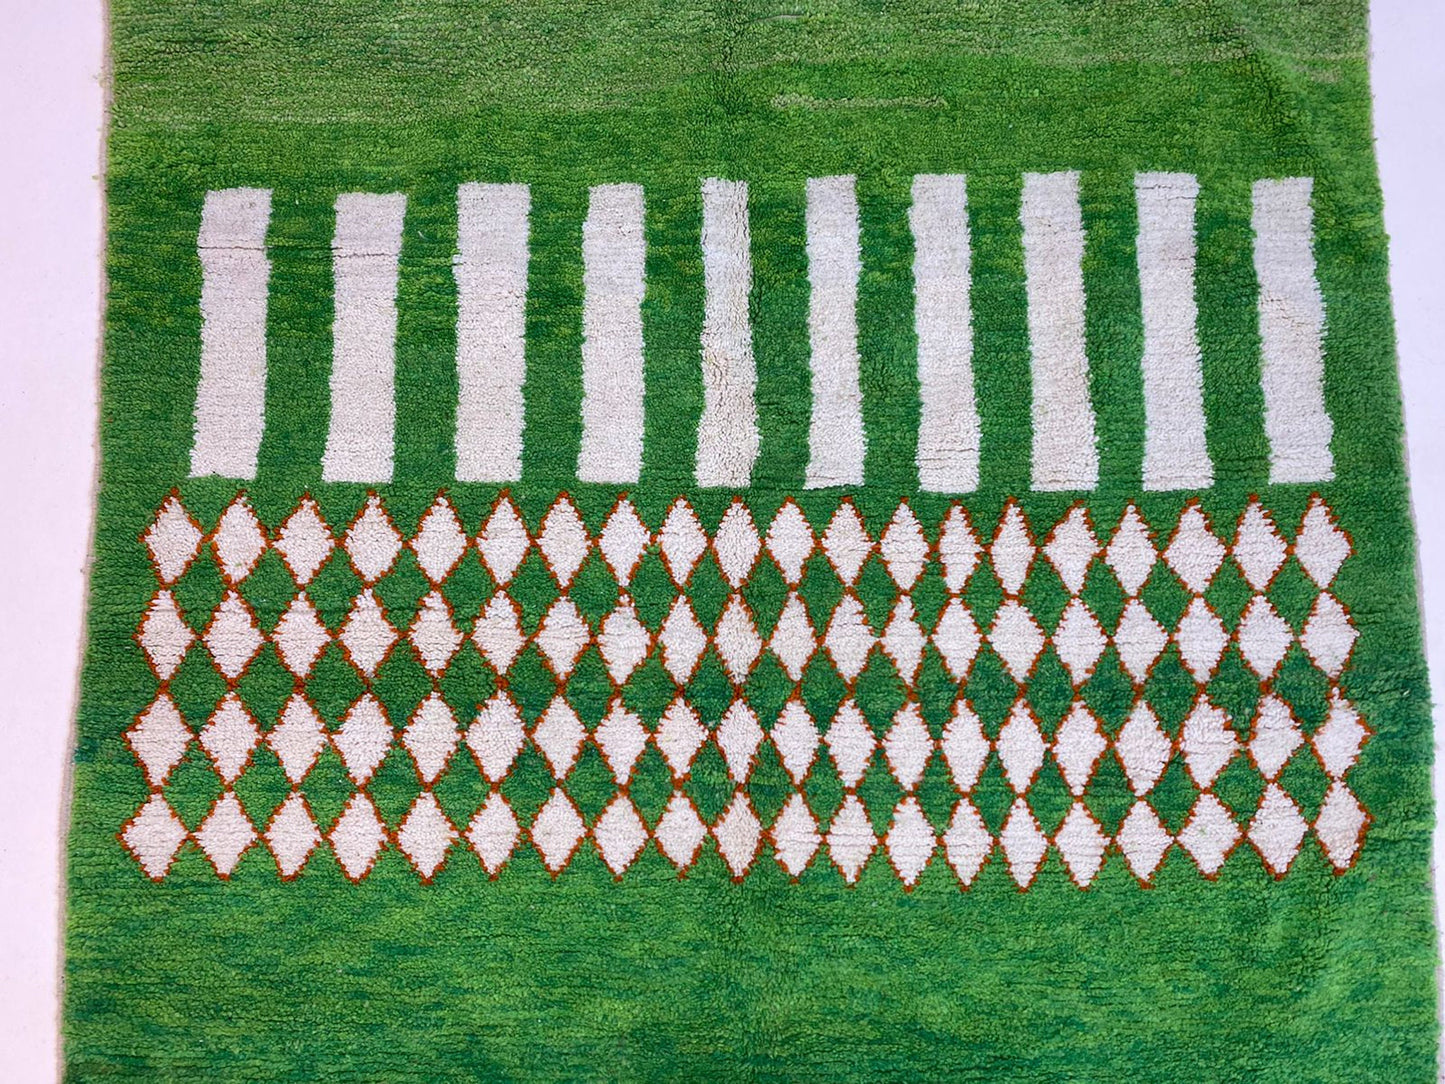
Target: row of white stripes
{"type": "Point", "coordinates": [491, 268]}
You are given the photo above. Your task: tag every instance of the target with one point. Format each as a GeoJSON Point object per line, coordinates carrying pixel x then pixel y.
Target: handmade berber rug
{"type": "Point", "coordinates": [839, 541]}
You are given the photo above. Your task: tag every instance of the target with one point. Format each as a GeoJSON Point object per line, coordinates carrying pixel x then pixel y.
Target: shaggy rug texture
{"type": "Point", "coordinates": [835, 540]}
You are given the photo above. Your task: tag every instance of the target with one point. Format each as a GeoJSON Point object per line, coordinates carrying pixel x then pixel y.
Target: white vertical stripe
{"type": "Point", "coordinates": [836, 442]}
{"type": "Point", "coordinates": [613, 268]}
{"type": "Point", "coordinates": [231, 395]}
{"type": "Point", "coordinates": [1065, 455]}
{"type": "Point", "coordinates": [1176, 455]}
{"type": "Point", "coordinates": [727, 435]}
{"type": "Point", "coordinates": [491, 274]}
{"type": "Point", "coordinates": [948, 429]}
{"type": "Point", "coordinates": [1291, 333]}
{"type": "Point", "coordinates": [364, 257]}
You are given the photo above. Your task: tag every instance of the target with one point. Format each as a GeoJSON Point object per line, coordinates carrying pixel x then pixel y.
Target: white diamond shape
{"type": "Point", "coordinates": [1023, 843]}
{"type": "Point", "coordinates": [173, 540]}
{"type": "Point", "coordinates": [439, 542]}
{"type": "Point", "coordinates": [904, 549]}
{"type": "Point", "coordinates": [1143, 840]}
{"type": "Point", "coordinates": [1340, 827]}
{"type": "Point", "coordinates": [849, 639]}
{"type": "Point", "coordinates": [1263, 636]}
{"type": "Point", "coordinates": [794, 641]}
{"type": "Point", "coordinates": [1139, 640]}
{"type": "Point", "coordinates": [367, 636]}
{"type": "Point", "coordinates": [737, 640]}
{"type": "Point", "coordinates": [1201, 639]}
{"type": "Point", "coordinates": [964, 746]}
{"type": "Point", "coordinates": [357, 836]}
{"type": "Point", "coordinates": [364, 738]}
{"type": "Point", "coordinates": [164, 636]}
{"type": "Point", "coordinates": [1131, 552]}
{"type": "Point", "coordinates": [847, 543]}
{"type": "Point", "coordinates": [425, 835]}
{"type": "Point", "coordinates": [622, 738]}
{"type": "Point", "coordinates": [433, 635]}
{"type": "Point", "coordinates": [957, 638]}
{"type": "Point", "coordinates": [623, 641]}
{"type": "Point", "coordinates": [903, 640]}
{"type": "Point", "coordinates": [232, 637]}
{"type": "Point", "coordinates": [738, 737]}
{"type": "Point", "coordinates": [559, 734]}
{"type": "Point", "coordinates": [1329, 635]}
{"type": "Point", "coordinates": [680, 832]}
{"type": "Point", "coordinates": [1321, 547]}
{"type": "Point", "coordinates": [738, 833]}
{"type": "Point", "coordinates": [1338, 741]}
{"type": "Point", "coordinates": [229, 736]}
{"type": "Point", "coordinates": [907, 746]}
{"type": "Point", "coordinates": [496, 737]}
{"type": "Point", "coordinates": [850, 743]}
{"type": "Point", "coordinates": [153, 836]}
{"type": "Point", "coordinates": [1021, 747]}
{"type": "Point", "coordinates": [431, 737]}
{"type": "Point", "coordinates": [1078, 745]}
{"type": "Point", "coordinates": [372, 542]}
{"type": "Point", "coordinates": [1209, 835]}
{"type": "Point", "coordinates": [736, 544]}
{"type": "Point", "coordinates": [493, 833]}
{"type": "Point", "coordinates": [683, 641]}
{"type": "Point", "coordinates": [299, 636]}
{"type": "Point", "coordinates": [796, 739]}
{"type": "Point", "coordinates": [791, 542]}
{"type": "Point", "coordinates": [958, 549]}
{"type": "Point", "coordinates": [1277, 830]}
{"type": "Point", "coordinates": [910, 841]}
{"type": "Point", "coordinates": [967, 843]}
{"type": "Point", "coordinates": [1258, 548]}
{"type": "Point", "coordinates": [239, 541]}
{"type": "Point", "coordinates": [498, 632]}
{"type": "Point", "coordinates": [557, 831]}
{"type": "Point", "coordinates": [679, 736]}
{"type": "Point", "coordinates": [1081, 845]}
{"type": "Point", "coordinates": [503, 541]}
{"type": "Point", "coordinates": [1194, 553]}
{"type": "Point", "coordinates": [681, 540]}
{"type": "Point", "coordinates": [1012, 551]}
{"type": "Point", "coordinates": [1079, 641]}
{"type": "Point", "coordinates": [619, 834]}
{"type": "Point", "coordinates": [305, 542]}
{"type": "Point", "coordinates": [563, 636]}
{"type": "Point", "coordinates": [1143, 749]}
{"type": "Point", "coordinates": [1208, 742]}
{"type": "Point", "coordinates": [292, 835]}
{"type": "Point", "coordinates": [795, 836]}
{"type": "Point", "coordinates": [159, 739]}
{"type": "Point", "coordinates": [563, 541]}
{"type": "Point", "coordinates": [1016, 639]}
{"type": "Point", "coordinates": [297, 738]}
{"type": "Point", "coordinates": [1072, 547]}
{"type": "Point", "coordinates": [1275, 737]}
{"type": "Point", "coordinates": [851, 839]}
{"type": "Point", "coordinates": [623, 540]}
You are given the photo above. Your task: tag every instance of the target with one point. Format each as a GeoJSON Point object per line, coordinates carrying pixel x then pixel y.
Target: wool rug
{"type": "Point", "coordinates": [823, 540]}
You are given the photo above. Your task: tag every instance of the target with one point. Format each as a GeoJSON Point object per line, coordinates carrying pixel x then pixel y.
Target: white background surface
{"type": "Point", "coordinates": [51, 109]}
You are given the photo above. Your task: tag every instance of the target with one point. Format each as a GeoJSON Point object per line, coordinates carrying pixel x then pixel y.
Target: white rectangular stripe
{"type": "Point", "coordinates": [727, 435]}
{"type": "Point", "coordinates": [1291, 333]}
{"type": "Point", "coordinates": [1176, 455]}
{"type": "Point", "coordinates": [365, 252]}
{"type": "Point", "coordinates": [491, 273]}
{"type": "Point", "coordinates": [613, 268]}
{"type": "Point", "coordinates": [1065, 455]}
{"type": "Point", "coordinates": [836, 441]}
{"type": "Point", "coordinates": [231, 395]}
{"type": "Point", "coordinates": [948, 428]}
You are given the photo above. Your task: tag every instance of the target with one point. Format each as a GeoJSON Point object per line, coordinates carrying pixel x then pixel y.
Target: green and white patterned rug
{"type": "Point", "coordinates": [841, 540]}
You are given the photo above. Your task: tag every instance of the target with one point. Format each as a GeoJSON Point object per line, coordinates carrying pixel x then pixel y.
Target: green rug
{"type": "Point", "coordinates": [842, 540]}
